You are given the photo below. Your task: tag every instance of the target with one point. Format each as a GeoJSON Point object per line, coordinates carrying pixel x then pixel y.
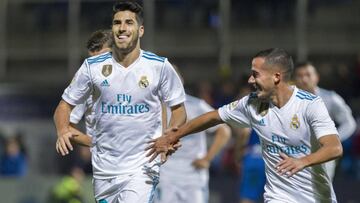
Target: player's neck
{"type": "Point", "coordinates": [126, 58]}
{"type": "Point", "coordinates": [282, 95]}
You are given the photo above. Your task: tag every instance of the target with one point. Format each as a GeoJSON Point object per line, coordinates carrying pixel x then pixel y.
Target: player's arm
{"type": "Point", "coordinates": [79, 137]}
{"type": "Point", "coordinates": [63, 130]}
{"type": "Point", "coordinates": [178, 115]}
{"type": "Point", "coordinates": [222, 136]}
{"type": "Point", "coordinates": [162, 144]}
{"type": "Point", "coordinates": [241, 140]}
{"type": "Point", "coordinates": [343, 117]}
{"type": "Point", "coordinates": [163, 116]}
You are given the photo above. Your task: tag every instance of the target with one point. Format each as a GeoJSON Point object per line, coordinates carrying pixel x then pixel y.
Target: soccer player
{"type": "Point", "coordinates": [307, 78]}
{"type": "Point", "coordinates": [127, 86]}
{"type": "Point", "coordinates": [296, 132]}
{"type": "Point", "coordinates": [184, 177]}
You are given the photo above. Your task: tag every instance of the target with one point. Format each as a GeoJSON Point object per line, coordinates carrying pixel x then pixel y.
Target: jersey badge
{"type": "Point", "coordinates": [106, 70]}
{"type": "Point", "coordinates": [144, 82]}
{"type": "Point", "coordinates": [233, 105]}
{"type": "Point", "coordinates": [295, 123]}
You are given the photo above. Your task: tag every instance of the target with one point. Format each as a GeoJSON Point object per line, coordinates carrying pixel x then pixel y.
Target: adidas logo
{"type": "Point", "coordinates": [262, 122]}
{"type": "Point", "coordinates": [105, 83]}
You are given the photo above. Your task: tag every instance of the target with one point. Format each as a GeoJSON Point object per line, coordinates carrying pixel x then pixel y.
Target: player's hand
{"type": "Point", "coordinates": [201, 163]}
{"type": "Point", "coordinates": [158, 146]}
{"type": "Point", "coordinates": [289, 166]}
{"type": "Point", "coordinates": [164, 144]}
{"type": "Point", "coordinates": [174, 148]}
{"type": "Point", "coordinates": [63, 144]}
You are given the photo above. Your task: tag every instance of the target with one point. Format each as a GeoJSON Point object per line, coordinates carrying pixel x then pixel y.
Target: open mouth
{"type": "Point", "coordinates": [122, 37]}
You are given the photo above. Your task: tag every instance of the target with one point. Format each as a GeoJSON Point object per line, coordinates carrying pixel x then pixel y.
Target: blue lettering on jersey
{"type": "Point", "coordinates": [124, 106]}
{"type": "Point", "coordinates": [274, 148]}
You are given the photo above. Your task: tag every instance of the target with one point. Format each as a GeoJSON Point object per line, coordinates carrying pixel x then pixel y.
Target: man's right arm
{"type": "Point", "coordinates": [62, 124]}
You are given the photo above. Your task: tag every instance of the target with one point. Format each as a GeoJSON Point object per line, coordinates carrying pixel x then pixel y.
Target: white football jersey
{"type": "Point", "coordinates": [178, 167]}
{"type": "Point", "coordinates": [293, 129]}
{"type": "Point", "coordinates": [127, 108]}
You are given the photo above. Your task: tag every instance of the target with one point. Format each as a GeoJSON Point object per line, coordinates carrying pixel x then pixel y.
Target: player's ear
{"type": "Point", "coordinates": [277, 77]}
{"type": "Point", "coordinates": [141, 30]}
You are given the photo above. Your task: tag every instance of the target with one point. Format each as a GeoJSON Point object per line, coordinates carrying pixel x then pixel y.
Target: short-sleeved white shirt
{"type": "Point", "coordinates": [127, 108]}
{"type": "Point", "coordinates": [178, 167]}
{"type": "Point", "coordinates": [293, 129]}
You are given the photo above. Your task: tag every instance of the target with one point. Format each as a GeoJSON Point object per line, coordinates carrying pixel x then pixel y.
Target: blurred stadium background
{"type": "Point", "coordinates": [42, 43]}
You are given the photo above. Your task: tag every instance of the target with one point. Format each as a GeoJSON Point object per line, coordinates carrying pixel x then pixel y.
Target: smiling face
{"type": "Point", "coordinates": [263, 78]}
{"type": "Point", "coordinates": [127, 31]}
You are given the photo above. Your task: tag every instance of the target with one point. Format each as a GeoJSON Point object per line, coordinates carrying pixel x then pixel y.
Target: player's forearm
{"type": "Point", "coordinates": [61, 117]}
{"type": "Point", "coordinates": [222, 137]}
{"type": "Point", "coordinates": [325, 153]}
{"type": "Point", "coordinates": [178, 116]}
{"type": "Point", "coordinates": [198, 124]}
{"type": "Point", "coordinates": [80, 137]}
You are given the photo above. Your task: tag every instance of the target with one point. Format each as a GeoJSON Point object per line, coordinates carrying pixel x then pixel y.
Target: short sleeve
{"type": "Point", "coordinates": [318, 117]}
{"type": "Point", "coordinates": [236, 113]}
{"type": "Point", "coordinates": [80, 87]}
{"type": "Point", "coordinates": [77, 113]}
{"type": "Point", "coordinates": [171, 88]}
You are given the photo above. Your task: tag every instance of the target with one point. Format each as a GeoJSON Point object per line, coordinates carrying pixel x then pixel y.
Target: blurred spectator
{"type": "Point", "coordinates": [68, 190]}
{"type": "Point", "coordinates": [206, 92]}
{"type": "Point", "coordinates": [13, 162]}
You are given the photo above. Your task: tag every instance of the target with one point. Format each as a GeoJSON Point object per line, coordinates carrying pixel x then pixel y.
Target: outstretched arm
{"type": "Point", "coordinates": [162, 144]}
{"type": "Point", "coordinates": [222, 136]}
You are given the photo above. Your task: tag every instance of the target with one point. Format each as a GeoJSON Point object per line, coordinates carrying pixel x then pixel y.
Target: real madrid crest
{"type": "Point", "coordinates": [295, 123]}
{"type": "Point", "coordinates": [144, 82]}
{"type": "Point", "coordinates": [106, 70]}
{"type": "Point", "coordinates": [233, 104]}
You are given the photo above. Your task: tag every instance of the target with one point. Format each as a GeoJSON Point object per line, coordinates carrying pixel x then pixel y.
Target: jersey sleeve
{"type": "Point", "coordinates": [171, 88]}
{"type": "Point", "coordinates": [80, 87]}
{"type": "Point", "coordinates": [236, 113]}
{"type": "Point", "coordinates": [77, 113]}
{"type": "Point", "coordinates": [318, 117]}
{"type": "Point", "coordinates": [341, 113]}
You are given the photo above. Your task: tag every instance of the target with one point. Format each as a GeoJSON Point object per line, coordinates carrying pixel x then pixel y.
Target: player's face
{"type": "Point", "coordinates": [126, 31]}
{"type": "Point", "coordinates": [306, 78]}
{"type": "Point", "coordinates": [262, 79]}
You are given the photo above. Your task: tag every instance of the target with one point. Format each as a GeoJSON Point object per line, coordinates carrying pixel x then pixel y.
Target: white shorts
{"type": "Point", "coordinates": [170, 192]}
{"type": "Point", "coordinates": [134, 188]}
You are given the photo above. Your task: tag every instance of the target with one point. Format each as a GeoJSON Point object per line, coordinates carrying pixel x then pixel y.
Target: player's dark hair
{"type": "Point", "coordinates": [98, 40]}
{"type": "Point", "coordinates": [279, 58]}
{"type": "Point", "coordinates": [128, 5]}
{"type": "Point", "coordinates": [302, 65]}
